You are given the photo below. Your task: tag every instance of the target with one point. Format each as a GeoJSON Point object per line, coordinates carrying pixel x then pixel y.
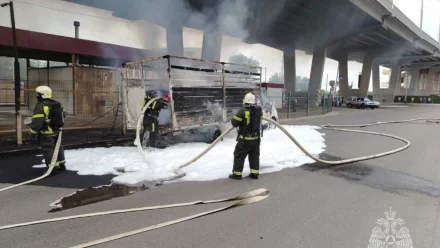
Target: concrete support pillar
{"type": "Point", "coordinates": [376, 78]}
{"type": "Point", "coordinates": [343, 70]}
{"type": "Point", "coordinates": [430, 88]}
{"type": "Point", "coordinates": [366, 74]}
{"type": "Point", "coordinates": [212, 46]}
{"type": "Point", "coordinates": [394, 85]}
{"type": "Point", "coordinates": [289, 70]}
{"type": "Point", "coordinates": [175, 41]}
{"type": "Point", "coordinates": [316, 73]}
{"type": "Point", "coordinates": [414, 84]}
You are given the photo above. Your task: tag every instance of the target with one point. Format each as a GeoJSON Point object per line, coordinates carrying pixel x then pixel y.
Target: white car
{"type": "Point", "coordinates": [364, 102]}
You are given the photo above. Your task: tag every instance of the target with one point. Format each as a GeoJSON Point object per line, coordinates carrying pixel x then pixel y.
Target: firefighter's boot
{"type": "Point", "coordinates": [253, 176]}
{"type": "Point", "coordinates": [233, 176]}
{"type": "Point", "coordinates": [62, 167]}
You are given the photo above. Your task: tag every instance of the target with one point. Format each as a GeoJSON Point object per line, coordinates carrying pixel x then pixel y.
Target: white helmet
{"type": "Point", "coordinates": [46, 92]}
{"type": "Point", "coordinates": [249, 98]}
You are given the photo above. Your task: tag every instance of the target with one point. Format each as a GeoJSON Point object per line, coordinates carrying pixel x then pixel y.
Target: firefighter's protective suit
{"type": "Point", "coordinates": [150, 117]}
{"type": "Point", "coordinates": [44, 127]}
{"type": "Point", "coordinates": [248, 120]}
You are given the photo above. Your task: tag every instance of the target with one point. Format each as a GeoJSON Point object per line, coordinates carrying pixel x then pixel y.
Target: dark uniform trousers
{"type": "Point", "coordinates": [47, 138]}
{"type": "Point", "coordinates": [48, 143]}
{"type": "Point", "coordinates": [150, 125]}
{"type": "Point", "coordinates": [248, 139]}
{"type": "Point", "coordinates": [250, 148]}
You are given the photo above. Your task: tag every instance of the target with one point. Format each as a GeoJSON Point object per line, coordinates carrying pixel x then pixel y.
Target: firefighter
{"type": "Point", "coordinates": [248, 121]}
{"type": "Point", "coordinates": [47, 121]}
{"type": "Point", "coordinates": [150, 117]}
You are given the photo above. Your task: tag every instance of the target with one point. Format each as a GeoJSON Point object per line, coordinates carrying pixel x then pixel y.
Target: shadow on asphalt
{"type": "Point", "coordinates": [18, 169]}
{"type": "Point", "coordinates": [375, 177]}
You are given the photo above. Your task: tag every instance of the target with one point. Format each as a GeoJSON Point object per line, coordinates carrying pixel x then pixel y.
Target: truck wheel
{"type": "Point", "coordinates": [215, 135]}
{"type": "Point", "coordinates": [349, 105]}
{"type": "Point", "coordinates": [363, 106]}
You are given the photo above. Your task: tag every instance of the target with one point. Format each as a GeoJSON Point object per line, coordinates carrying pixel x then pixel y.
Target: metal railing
{"type": "Point", "coordinates": [91, 114]}
{"type": "Point", "coordinates": [289, 106]}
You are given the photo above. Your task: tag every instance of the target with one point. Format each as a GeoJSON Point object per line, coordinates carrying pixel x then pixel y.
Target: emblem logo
{"type": "Point", "coordinates": [390, 233]}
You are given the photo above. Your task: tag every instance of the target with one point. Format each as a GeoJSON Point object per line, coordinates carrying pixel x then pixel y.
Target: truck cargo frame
{"type": "Point", "coordinates": [196, 89]}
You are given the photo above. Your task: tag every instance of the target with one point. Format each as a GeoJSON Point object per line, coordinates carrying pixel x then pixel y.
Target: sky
{"type": "Point", "coordinates": [56, 17]}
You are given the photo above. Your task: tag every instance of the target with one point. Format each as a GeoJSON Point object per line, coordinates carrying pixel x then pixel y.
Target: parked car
{"type": "Point", "coordinates": [361, 102]}
{"type": "Point", "coordinates": [349, 101]}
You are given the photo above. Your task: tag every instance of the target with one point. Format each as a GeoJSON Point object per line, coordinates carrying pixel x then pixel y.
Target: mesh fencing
{"type": "Point", "coordinates": [298, 106]}
{"type": "Point", "coordinates": [92, 98]}
{"type": "Point", "coordinates": [92, 105]}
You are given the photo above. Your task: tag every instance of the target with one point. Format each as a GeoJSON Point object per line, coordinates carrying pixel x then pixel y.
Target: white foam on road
{"type": "Point", "coordinates": [40, 165]}
{"type": "Point", "coordinates": [276, 153]}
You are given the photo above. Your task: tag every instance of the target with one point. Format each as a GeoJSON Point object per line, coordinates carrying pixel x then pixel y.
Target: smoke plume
{"type": "Point", "coordinates": [227, 17]}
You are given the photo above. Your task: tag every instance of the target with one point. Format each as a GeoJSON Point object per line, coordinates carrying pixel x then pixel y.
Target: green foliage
{"type": "Point", "coordinates": [243, 60]}
{"type": "Point", "coordinates": [277, 78]}
{"type": "Point", "coordinates": [302, 83]}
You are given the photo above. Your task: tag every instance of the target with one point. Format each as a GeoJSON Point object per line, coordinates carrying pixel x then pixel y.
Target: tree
{"type": "Point", "coordinates": [302, 83]}
{"type": "Point", "coordinates": [243, 60]}
{"type": "Point", "coordinates": [277, 78]}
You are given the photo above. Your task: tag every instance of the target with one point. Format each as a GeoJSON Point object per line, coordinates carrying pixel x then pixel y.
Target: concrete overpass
{"type": "Point", "coordinates": [369, 31]}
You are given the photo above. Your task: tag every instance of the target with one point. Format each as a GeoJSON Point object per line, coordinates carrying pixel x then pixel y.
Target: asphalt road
{"type": "Point", "coordinates": [311, 206]}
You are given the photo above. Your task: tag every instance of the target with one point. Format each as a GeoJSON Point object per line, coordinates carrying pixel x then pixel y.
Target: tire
{"type": "Point", "coordinates": [372, 108]}
{"type": "Point", "coordinates": [215, 135]}
{"type": "Point", "coordinates": [363, 106]}
{"type": "Point", "coordinates": [349, 105]}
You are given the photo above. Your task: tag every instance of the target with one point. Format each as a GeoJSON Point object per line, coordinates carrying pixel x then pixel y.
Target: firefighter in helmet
{"type": "Point", "coordinates": [248, 121]}
{"type": "Point", "coordinates": [47, 121]}
{"type": "Point", "coordinates": [150, 117]}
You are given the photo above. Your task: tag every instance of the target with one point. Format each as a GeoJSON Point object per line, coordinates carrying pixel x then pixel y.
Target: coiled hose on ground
{"type": "Point", "coordinates": [328, 127]}
{"type": "Point", "coordinates": [248, 198]}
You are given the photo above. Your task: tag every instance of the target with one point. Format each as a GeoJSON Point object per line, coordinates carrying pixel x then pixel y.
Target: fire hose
{"type": "Point", "coordinates": [245, 199]}
{"type": "Point", "coordinates": [317, 159]}
{"type": "Point", "coordinates": [248, 198]}
{"type": "Point", "coordinates": [50, 167]}
{"type": "Point", "coordinates": [328, 127]}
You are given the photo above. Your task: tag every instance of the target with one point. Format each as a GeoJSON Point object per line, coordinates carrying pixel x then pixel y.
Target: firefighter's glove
{"type": "Point", "coordinates": [28, 121]}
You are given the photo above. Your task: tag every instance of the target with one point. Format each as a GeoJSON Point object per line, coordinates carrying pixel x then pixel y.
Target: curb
{"type": "Point", "coordinates": [394, 106]}
{"type": "Point", "coordinates": [284, 121]}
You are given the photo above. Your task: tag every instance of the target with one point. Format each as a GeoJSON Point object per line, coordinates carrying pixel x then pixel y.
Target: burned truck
{"type": "Point", "coordinates": [202, 95]}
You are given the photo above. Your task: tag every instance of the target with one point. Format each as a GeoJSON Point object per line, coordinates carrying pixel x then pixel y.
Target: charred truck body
{"type": "Point", "coordinates": [201, 94]}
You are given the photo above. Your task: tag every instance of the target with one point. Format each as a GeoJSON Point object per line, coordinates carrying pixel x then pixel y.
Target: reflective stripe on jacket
{"type": "Point", "coordinates": [40, 120]}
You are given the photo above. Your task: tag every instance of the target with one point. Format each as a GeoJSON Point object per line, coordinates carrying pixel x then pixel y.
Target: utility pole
{"type": "Point", "coordinates": [337, 79]}
{"type": "Point", "coordinates": [421, 19]}
{"type": "Point", "coordinates": [265, 74]}
{"type": "Point", "coordinates": [17, 85]}
{"type": "Point", "coordinates": [392, 8]}
{"type": "Point", "coordinates": [438, 30]}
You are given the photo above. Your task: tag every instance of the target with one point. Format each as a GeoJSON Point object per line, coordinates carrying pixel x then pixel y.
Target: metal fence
{"type": "Point", "coordinates": [93, 103]}
{"type": "Point", "coordinates": [93, 111]}
{"type": "Point", "coordinates": [289, 106]}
